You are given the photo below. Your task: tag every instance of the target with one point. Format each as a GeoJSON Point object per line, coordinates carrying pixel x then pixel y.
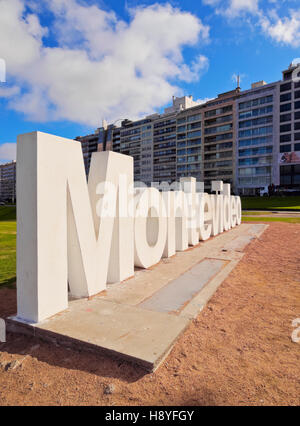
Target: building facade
{"type": "Point", "coordinates": [250, 139]}
{"type": "Point", "coordinates": [289, 156]}
{"type": "Point", "coordinates": [8, 182]}
{"type": "Point", "coordinates": [257, 138]}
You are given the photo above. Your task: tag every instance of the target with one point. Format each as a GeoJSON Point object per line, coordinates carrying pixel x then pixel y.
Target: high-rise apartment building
{"type": "Point", "coordinates": [219, 137]}
{"type": "Point", "coordinates": [289, 157]}
{"type": "Point", "coordinates": [257, 130]}
{"type": "Point", "coordinates": [249, 138]}
{"type": "Point", "coordinates": [8, 182]}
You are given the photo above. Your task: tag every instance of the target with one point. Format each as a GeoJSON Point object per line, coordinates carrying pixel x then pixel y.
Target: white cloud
{"type": "Point", "coordinates": [235, 77]}
{"type": "Point", "coordinates": [7, 152]}
{"type": "Point", "coordinates": [282, 29]}
{"type": "Point", "coordinates": [7, 92]}
{"type": "Point", "coordinates": [102, 66]}
{"type": "Point", "coordinates": [285, 30]}
{"type": "Point", "coordinates": [203, 101]}
{"type": "Point", "coordinates": [233, 8]}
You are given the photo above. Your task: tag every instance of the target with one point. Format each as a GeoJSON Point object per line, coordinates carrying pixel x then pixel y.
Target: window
{"type": "Point", "coordinates": [256, 132]}
{"type": "Point", "coordinates": [285, 117]}
{"type": "Point", "coordinates": [286, 97]}
{"type": "Point", "coordinates": [218, 129]}
{"type": "Point", "coordinates": [181, 120]}
{"type": "Point", "coordinates": [297, 115]}
{"type": "Point", "coordinates": [218, 120]}
{"type": "Point", "coordinates": [285, 138]}
{"type": "Point", "coordinates": [285, 107]}
{"type": "Point", "coordinates": [218, 138]}
{"type": "Point", "coordinates": [285, 87]}
{"type": "Point", "coordinates": [255, 151]}
{"type": "Point", "coordinates": [256, 122]}
{"type": "Point", "coordinates": [297, 146]}
{"type": "Point", "coordinates": [255, 161]}
{"type": "Point", "coordinates": [254, 171]}
{"type": "Point", "coordinates": [285, 128]}
{"type": "Point", "coordinates": [218, 147]}
{"type": "Point", "coordinates": [297, 136]}
{"type": "Point", "coordinates": [297, 94]}
{"type": "Point", "coordinates": [297, 126]}
{"type": "Point", "coordinates": [195, 117]}
{"type": "Point", "coordinates": [194, 142]}
{"type": "Point", "coordinates": [218, 111]}
{"type": "Point", "coordinates": [256, 112]}
{"type": "Point", "coordinates": [264, 140]}
{"type": "Point", "coordinates": [181, 129]}
{"type": "Point", "coordinates": [290, 175]}
{"type": "Point", "coordinates": [255, 102]}
{"type": "Point", "coordinates": [297, 105]}
{"type": "Point", "coordinates": [194, 126]}
{"type": "Point", "coordinates": [194, 134]}
{"type": "Point", "coordinates": [285, 148]}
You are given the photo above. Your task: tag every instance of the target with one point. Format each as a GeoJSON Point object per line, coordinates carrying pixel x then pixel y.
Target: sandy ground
{"type": "Point", "coordinates": [238, 351]}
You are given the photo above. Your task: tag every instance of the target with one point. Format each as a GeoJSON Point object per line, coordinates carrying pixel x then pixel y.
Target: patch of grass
{"type": "Point", "coordinates": [271, 203]}
{"type": "Point", "coordinates": [270, 219]}
{"type": "Point", "coordinates": [7, 213]}
{"type": "Point", "coordinates": [7, 253]}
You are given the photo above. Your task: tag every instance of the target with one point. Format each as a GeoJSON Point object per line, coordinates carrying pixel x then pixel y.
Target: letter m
{"type": "Point", "coordinates": [63, 238]}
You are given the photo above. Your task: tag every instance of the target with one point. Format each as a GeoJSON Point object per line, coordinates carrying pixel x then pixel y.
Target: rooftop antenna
{"type": "Point", "coordinates": [238, 81]}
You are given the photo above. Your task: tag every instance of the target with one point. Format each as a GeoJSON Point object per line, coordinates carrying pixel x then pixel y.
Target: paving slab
{"type": "Point", "coordinates": [173, 296]}
{"type": "Point", "coordinates": [140, 319]}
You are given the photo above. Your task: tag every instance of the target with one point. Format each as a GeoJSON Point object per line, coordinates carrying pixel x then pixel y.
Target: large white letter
{"type": "Point", "coordinates": [58, 229]}
{"type": "Point", "coordinates": [150, 227]}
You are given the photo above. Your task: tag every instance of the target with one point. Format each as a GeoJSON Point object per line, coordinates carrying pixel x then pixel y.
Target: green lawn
{"type": "Point", "coordinates": [7, 213]}
{"type": "Point", "coordinates": [270, 203]}
{"type": "Point", "coordinates": [270, 219]}
{"type": "Point", "coordinates": [7, 252]}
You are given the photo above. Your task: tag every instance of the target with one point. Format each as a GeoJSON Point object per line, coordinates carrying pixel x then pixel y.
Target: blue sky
{"type": "Point", "coordinates": [72, 63]}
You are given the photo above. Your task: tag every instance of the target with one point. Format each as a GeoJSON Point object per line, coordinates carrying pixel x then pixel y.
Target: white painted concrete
{"type": "Point", "coordinates": [83, 236]}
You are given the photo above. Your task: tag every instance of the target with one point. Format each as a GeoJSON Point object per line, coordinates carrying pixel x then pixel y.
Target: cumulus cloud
{"type": "Point", "coordinates": [7, 92]}
{"type": "Point", "coordinates": [233, 8]}
{"type": "Point", "coordinates": [282, 29]}
{"type": "Point", "coordinates": [285, 30]}
{"type": "Point", "coordinates": [7, 152]}
{"type": "Point", "coordinates": [100, 66]}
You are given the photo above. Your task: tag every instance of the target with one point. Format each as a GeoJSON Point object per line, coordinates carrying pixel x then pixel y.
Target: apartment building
{"type": "Point", "coordinates": [257, 138]}
{"type": "Point", "coordinates": [219, 136]}
{"type": "Point", "coordinates": [8, 182]}
{"type": "Point", "coordinates": [289, 156]}
{"type": "Point", "coordinates": [249, 138]}
{"type": "Point", "coordinates": [91, 143]}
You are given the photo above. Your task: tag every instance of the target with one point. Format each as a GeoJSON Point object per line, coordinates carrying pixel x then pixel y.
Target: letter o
{"type": "Point", "coordinates": [150, 228]}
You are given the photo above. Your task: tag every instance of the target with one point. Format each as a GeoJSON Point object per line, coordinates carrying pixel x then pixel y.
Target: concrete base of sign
{"type": "Point", "coordinates": [140, 319]}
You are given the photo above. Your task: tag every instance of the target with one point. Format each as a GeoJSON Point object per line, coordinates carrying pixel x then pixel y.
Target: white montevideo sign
{"type": "Point", "coordinates": [75, 237]}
